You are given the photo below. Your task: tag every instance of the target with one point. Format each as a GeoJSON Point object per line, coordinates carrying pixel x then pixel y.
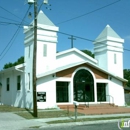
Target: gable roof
{"type": "Point", "coordinates": [74, 50]}
{"type": "Point", "coordinates": [76, 64]}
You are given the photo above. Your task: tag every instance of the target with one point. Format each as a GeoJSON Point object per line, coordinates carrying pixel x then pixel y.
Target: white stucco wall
{"type": "Point", "coordinates": [48, 85]}
{"type": "Point", "coordinates": [116, 91]}
{"type": "Point", "coordinates": [115, 68]}
{"type": "Point", "coordinates": [101, 57]}
{"type": "Point", "coordinates": [13, 97]}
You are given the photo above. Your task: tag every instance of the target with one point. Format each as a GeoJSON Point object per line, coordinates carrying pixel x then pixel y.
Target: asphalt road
{"type": "Point", "coordinates": [104, 126]}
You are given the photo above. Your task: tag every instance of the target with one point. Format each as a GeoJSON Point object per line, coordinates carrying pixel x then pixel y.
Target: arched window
{"type": "Point", "coordinates": [83, 86]}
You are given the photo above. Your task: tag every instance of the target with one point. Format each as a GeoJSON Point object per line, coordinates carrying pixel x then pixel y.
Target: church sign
{"type": "Point", "coordinates": [41, 96]}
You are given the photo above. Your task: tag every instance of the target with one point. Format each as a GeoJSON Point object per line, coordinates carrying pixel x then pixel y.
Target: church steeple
{"type": "Point", "coordinates": [43, 19]}
{"type": "Point", "coordinates": [108, 50]}
{"type": "Point", "coordinates": [107, 32]}
{"type": "Point", "coordinates": [46, 44]}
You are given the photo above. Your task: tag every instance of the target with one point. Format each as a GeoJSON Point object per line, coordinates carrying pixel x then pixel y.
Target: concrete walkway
{"type": "Point", "coordinates": [11, 121]}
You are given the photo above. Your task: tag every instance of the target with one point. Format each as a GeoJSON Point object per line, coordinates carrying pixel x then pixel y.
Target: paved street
{"type": "Point", "coordinates": [11, 121]}
{"type": "Point", "coordinates": [104, 126]}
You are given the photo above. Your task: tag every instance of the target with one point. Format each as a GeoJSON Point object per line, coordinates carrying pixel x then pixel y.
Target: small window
{"type": "Point", "coordinates": [29, 81]}
{"type": "Point", "coordinates": [18, 82]}
{"type": "Point", "coordinates": [29, 51]}
{"type": "Point", "coordinates": [44, 50]}
{"type": "Point", "coordinates": [115, 59]}
{"type": "Point", "coordinates": [7, 86]}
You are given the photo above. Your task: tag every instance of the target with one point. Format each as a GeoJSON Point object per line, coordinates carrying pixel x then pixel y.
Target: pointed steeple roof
{"type": "Point", "coordinates": [107, 32]}
{"type": "Point", "coordinates": [43, 19]}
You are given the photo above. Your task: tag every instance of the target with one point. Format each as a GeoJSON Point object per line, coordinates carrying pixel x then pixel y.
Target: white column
{"type": "Point", "coordinates": [71, 91]}
{"type": "Point", "coordinates": [95, 91]}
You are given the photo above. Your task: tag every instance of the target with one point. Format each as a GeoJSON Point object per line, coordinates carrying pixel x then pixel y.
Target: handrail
{"type": "Point", "coordinates": [109, 98]}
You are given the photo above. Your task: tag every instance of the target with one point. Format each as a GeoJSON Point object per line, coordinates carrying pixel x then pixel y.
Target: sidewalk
{"type": "Point", "coordinates": [11, 121]}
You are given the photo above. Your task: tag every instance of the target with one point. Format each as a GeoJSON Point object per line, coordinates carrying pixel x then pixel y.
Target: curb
{"type": "Point", "coordinates": [82, 123]}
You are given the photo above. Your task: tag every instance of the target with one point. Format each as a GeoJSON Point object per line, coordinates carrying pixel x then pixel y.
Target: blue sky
{"type": "Point", "coordinates": [89, 26]}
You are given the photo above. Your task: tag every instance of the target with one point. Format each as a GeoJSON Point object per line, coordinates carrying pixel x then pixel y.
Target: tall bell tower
{"type": "Point", "coordinates": [108, 50]}
{"type": "Point", "coordinates": [46, 44]}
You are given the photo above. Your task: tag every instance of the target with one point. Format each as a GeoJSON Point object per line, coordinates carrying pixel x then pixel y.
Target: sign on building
{"type": "Point", "coordinates": [41, 96]}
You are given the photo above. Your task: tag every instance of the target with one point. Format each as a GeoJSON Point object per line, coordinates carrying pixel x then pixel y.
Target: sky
{"type": "Point", "coordinates": [82, 18]}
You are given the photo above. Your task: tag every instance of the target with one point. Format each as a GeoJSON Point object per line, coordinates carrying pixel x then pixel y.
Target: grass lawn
{"type": "Point", "coordinates": [5, 108]}
{"type": "Point", "coordinates": [47, 114]}
{"type": "Point", "coordinates": [41, 114]}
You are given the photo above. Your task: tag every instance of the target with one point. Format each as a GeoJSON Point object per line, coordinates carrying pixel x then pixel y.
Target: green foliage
{"type": "Point", "coordinates": [127, 76]}
{"type": "Point", "coordinates": [88, 53]}
{"type": "Point", "coordinates": [19, 61]}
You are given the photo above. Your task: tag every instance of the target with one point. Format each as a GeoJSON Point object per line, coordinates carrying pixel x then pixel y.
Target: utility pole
{"type": "Point", "coordinates": [34, 61]}
{"type": "Point", "coordinates": [72, 38]}
{"type": "Point", "coordinates": [34, 78]}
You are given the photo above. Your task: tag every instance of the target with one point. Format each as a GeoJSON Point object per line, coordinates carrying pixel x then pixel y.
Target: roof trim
{"type": "Point", "coordinates": [13, 68]}
{"type": "Point", "coordinates": [79, 63]}
{"type": "Point", "coordinates": [79, 52]}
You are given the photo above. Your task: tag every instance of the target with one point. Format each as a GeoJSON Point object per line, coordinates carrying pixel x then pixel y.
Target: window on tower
{"type": "Point", "coordinates": [29, 51]}
{"type": "Point", "coordinates": [44, 50]}
{"type": "Point", "coordinates": [115, 59]}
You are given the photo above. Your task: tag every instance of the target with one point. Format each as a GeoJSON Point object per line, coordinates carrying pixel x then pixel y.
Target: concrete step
{"type": "Point", "coordinates": [96, 109]}
{"type": "Point", "coordinates": [103, 111]}
{"type": "Point", "coordinates": [81, 106]}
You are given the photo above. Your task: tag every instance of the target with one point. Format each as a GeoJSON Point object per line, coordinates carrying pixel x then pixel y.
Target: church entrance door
{"type": "Point", "coordinates": [101, 92]}
{"type": "Point", "coordinates": [83, 86]}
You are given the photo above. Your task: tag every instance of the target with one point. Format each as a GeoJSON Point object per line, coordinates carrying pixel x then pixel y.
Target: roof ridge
{"type": "Point", "coordinates": [108, 31]}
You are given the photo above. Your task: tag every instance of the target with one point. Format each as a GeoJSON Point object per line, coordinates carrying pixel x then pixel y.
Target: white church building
{"type": "Point", "coordinates": [66, 76]}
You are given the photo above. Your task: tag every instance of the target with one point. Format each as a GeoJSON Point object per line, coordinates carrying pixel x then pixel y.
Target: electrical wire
{"type": "Point", "coordinates": [8, 19]}
{"type": "Point", "coordinates": [10, 13]}
{"type": "Point", "coordinates": [9, 23]}
{"type": "Point", "coordinates": [5, 50]}
{"type": "Point", "coordinates": [90, 40]}
{"type": "Point", "coordinates": [63, 34]}
{"type": "Point", "coordinates": [88, 12]}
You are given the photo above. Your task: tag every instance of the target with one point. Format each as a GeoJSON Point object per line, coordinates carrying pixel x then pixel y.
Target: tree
{"type": "Point", "coordinates": [19, 61]}
{"type": "Point", "coordinates": [127, 76]}
{"type": "Point", "coordinates": [88, 53]}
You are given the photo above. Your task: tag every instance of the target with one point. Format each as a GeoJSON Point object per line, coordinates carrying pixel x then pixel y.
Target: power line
{"type": "Point", "coordinates": [11, 13]}
{"type": "Point", "coordinates": [9, 23]}
{"type": "Point", "coordinates": [8, 19]}
{"type": "Point", "coordinates": [15, 34]}
{"type": "Point", "coordinates": [89, 12]}
{"type": "Point", "coordinates": [86, 39]}
{"type": "Point", "coordinates": [89, 40]}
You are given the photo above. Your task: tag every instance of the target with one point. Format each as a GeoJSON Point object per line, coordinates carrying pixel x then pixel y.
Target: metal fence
{"type": "Point", "coordinates": [127, 98]}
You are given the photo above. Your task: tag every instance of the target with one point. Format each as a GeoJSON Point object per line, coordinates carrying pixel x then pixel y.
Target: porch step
{"type": "Point", "coordinates": [91, 106]}
{"type": "Point", "coordinates": [97, 109]}
{"type": "Point", "coordinates": [97, 106]}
